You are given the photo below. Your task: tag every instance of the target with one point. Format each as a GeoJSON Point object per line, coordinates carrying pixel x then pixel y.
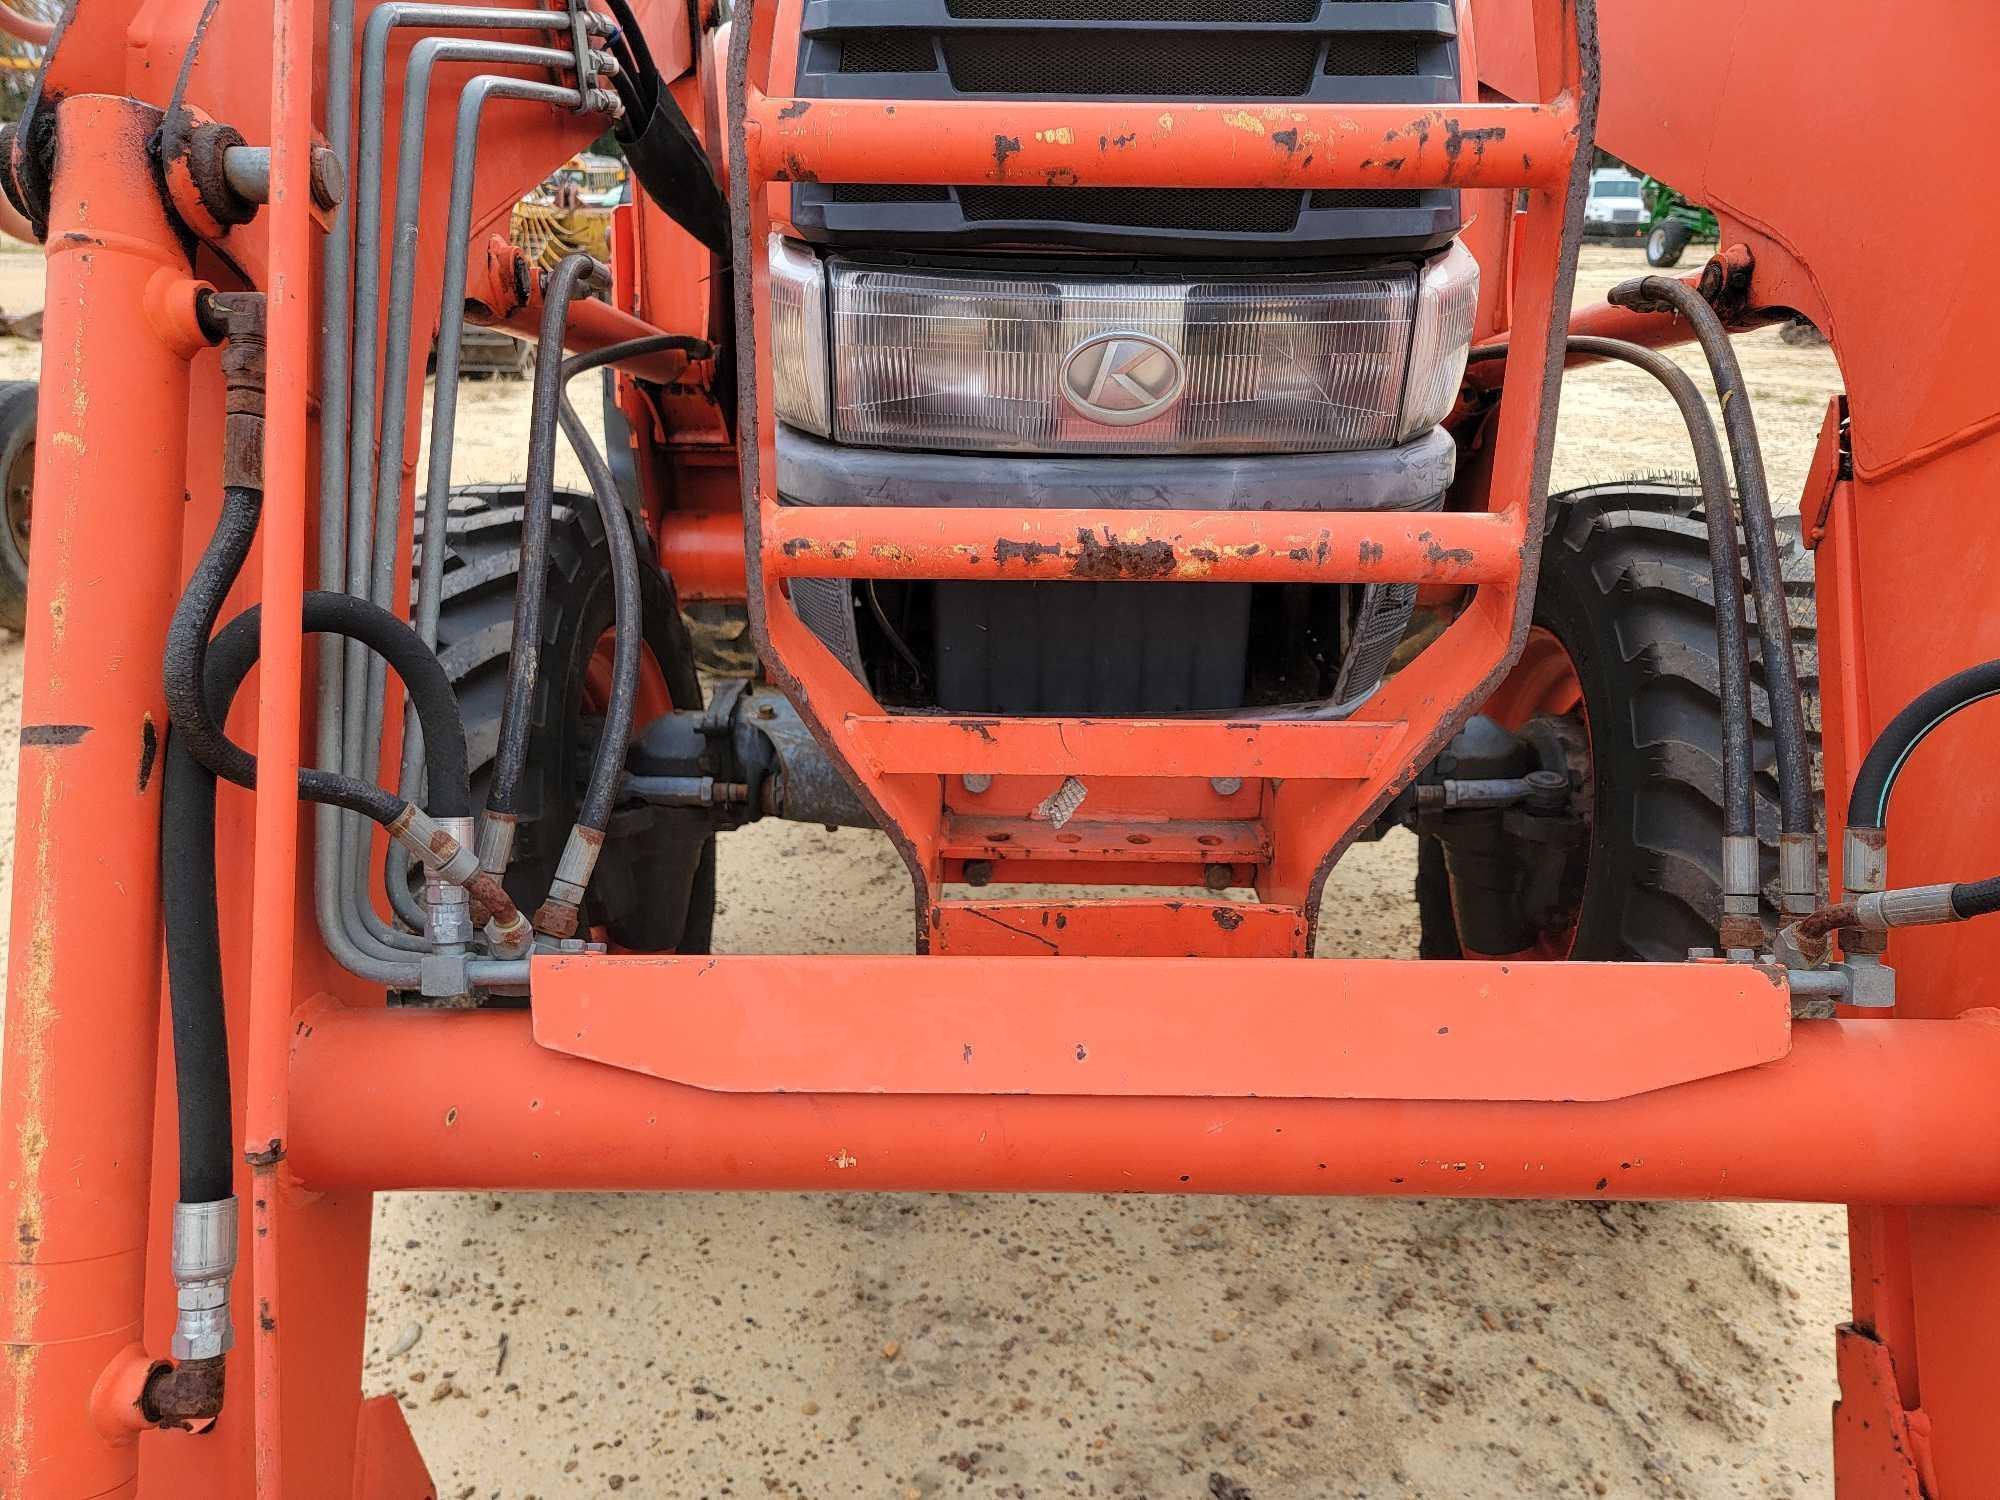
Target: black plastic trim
{"type": "Point", "coordinates": [812, 471]}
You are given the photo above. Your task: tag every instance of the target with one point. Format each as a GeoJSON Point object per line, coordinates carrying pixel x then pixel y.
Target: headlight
{"type": "Point", "coordinates": [1447, 297]}
{"type": "Point", "coordinates": [927, 359]}
{"type": "Point", "coordinates": [798, 336]}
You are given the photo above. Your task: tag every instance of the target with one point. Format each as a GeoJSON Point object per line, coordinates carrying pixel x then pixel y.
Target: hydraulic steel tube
{"type": "Point", "coordinates": [79, 1071]}
{"type": "Point", "coordinates": [374, 544]}
{"type": "Point", "coordinates": [356, 936]}
{"type": "Point", "coordinates": [1859, 1112]}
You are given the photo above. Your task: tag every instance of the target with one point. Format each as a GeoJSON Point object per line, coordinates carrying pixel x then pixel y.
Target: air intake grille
{"type": "Point", "coordinates": [1389, 54]}
{"type": "Point", "coordinates": [1324, 198]}
{"type": "Point", "coordinates": [887, 52]}
{"type": "Point", "coordinates": [1214, 210]}
{"type": "Point", "coordinates": [1153, 65]}
{"type": "Point", "coordinates": [1133, 10]}
{"type": "Point", "coordinates": [1043, 52]}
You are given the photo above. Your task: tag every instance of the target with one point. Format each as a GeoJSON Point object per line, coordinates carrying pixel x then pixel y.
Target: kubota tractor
{"type": "Point", "coordinates": [1103, 444]}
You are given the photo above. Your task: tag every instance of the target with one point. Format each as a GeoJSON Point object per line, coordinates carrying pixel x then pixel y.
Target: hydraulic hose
{"type": "Point", "coordinates": [1868, 806]}
{"type": "Point", "coordinates": [537, 505]}
{"type": "Point", "coordinates": [1870, 910]}
{"type": "Point", "coordinates": [561, 911]}
{"type": "Point", "coordinates": [1798, 821]}
{"type": "Point", "coordinates": [1726, 579]}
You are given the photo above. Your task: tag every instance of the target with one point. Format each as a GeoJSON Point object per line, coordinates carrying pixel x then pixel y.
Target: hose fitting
{"type": "Point", "coordinates": [204, 1260]}
{"type": "Point", "coordinates": [559, 913]}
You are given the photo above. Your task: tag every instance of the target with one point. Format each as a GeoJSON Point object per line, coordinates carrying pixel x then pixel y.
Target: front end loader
{"type": "Point", "coordinates": [1105, 446]}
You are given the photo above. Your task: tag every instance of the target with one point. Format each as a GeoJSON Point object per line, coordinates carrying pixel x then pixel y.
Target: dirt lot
{"type": "Point", "coordinates": [924, 1346]}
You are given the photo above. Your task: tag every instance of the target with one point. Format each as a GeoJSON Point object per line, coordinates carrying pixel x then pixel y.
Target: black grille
{"type": "Point", "coordinates": [1367, 198]}
{"type": "Point", "coordinates": [889, 192]}
{"type": "Point", "coordinates": [1133, 10]}
{"type": "Point", "coordinates": [1213, 210]}
{"type": "Point", "coordinates": [1046, 51]}
{"type": "Point", "coordinates": [887, 52]}
{"type": "Point", "coordinates": [1154, 65]}
{"type": "Point", "coordinates": [1389, 54]}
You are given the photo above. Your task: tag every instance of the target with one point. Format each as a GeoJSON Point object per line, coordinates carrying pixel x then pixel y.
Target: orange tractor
{"type": "Point", "coordinates": [1121, 431]}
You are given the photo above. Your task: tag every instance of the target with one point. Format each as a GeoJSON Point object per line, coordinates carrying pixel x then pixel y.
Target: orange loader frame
{"type": "Point", "coordinates": [1065, 1044]}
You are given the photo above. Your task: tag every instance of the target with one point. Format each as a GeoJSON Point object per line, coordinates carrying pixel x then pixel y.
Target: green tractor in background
{"type": "Point", "coordinates": [1672, 223]}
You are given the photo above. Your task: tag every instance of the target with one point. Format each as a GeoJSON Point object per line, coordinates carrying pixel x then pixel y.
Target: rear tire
{"type": "Point", "coordinates": [17, 476]}
{"type": "Point", "coordinates": [654, 887]}
{"type": "Point", "coordinates": [1625, 587]}
{"type": "Point", "coordinates": [1665, 244]}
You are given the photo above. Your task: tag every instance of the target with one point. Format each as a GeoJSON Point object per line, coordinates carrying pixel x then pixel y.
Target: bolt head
{"type": "Point", "coordinates": [976, 782]}
{"type": "Point", "coordinates": [979, 872]}
{"type": "Point", "coordinates": [1226, 786]}
{"type": "Point", "coordinates": [1218, 877]}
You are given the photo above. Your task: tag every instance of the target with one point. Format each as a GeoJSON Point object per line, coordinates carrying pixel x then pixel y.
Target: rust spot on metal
{"type": "Point", "coordinates": [1060, 177]}
{"type": "Point", "coordinates": [794, 170]}
{"type": "Point", "coordinates": [268, 1157]}
{"type": "Point", "coordinates": [981, 727]}
{"type": "Point", "coordinates": [52, 736]}
{"type": "Point", "coordinates": [1082, 1052]}
{"type": "Point", "coordinates": [488, 892]}
{"type": "Point", "coordinates": [799, 546]}
{"type": "Point", "coordinates": [1386, 163]}
{"type": "Point", "coordinates": [1456, 140]}
{"type": "Point", "coordinates": [1437, 554]}
{"type": "Point", "coordinates": [1106, 142]}
{"type": "Point", "coordinates": [1226, 919]}
{"type": "Point", "coordinates": [1004, 146]}
{"type": "Point", "coordinates": [1112, 559]}
{"type": "Point", "coordinates": [965, 1053]}
{"type": "Point", "coordinates": [797, 108]}
{"type": "Point", "coordinates": [1369, 552]}
{"type": "Point", "coordinates": [264, 1319]}
{"type": "Point", "coordinates": [1006, 551]}
{"type": "Point", "coordinates": [78, 237]}
{"type": "Point", "coordinates": [1288, 139]}
{"type": "Point", "coordinates": [149, 751]}
{"type": "Point", "coordinates": [188, 1394]}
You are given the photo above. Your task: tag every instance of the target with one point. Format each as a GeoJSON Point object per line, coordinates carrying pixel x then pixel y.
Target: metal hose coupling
{"type": "Point", "coordinates": [433, 843]}
{"type": "Point", "coordinates": [204, 1260]}
{"type": "Point", "coordinates": [560, 912]}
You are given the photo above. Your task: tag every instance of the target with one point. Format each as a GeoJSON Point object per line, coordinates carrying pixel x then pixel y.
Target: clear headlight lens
{"type": "Point", "coordinates": [1447, 298]}
{"type": "Point", "coordinates": [923, 359]}
{"type": "Point", "coordinates": [798, 336]}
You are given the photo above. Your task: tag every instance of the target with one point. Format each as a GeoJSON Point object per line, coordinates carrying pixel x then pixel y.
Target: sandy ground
{"type": "Point", "coordinates": [924, 1346]}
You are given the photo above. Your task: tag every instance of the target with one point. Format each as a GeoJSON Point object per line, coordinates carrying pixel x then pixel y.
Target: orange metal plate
{"type": "Point", "coordinates": [1131, 1027]}
{"type": "Point", "coordinates": [1197, 843]}
{"type": "Point", "coordinates": [1048, 929]}
{"type": "Point", "coordinates": [962, 745]}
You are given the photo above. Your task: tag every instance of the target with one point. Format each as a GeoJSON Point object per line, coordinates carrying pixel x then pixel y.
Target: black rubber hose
{"type": "Point", "coordinates": [639, 348]}
{"type": "Point", "coordinates": [608, 764]}
{"type": "Point", "coordinates": [194, 622]}
{"type": "Point", "coordinates": [187, 853]}
{"type": "Point", "coordinates": [194, 944]}
{"type": "Point", "coordinates": [1725, 562]}
{"type": "Point", "coordinates": [1796, 811]}
{"type": "Point", "coordinates": [537, 506]}
{"type": "Point", "coordinates": [1868, 806]}
{"type": "Point", "coordinates": [671, 165]}
{"type": "Point", "coordinates": [642, 55]}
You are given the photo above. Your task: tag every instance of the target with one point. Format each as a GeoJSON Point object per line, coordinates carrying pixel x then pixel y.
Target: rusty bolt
{"type": "Point", "coordinates": [979, 872]}
{"type": "Point", "coordinates": [976, 782]}
{"type": "Point", "coordinates": [1225, 786]}
{"type": "Point", "coordinates": [1218, 877]}
{"type": "Point", "coordinates": [765, 711]}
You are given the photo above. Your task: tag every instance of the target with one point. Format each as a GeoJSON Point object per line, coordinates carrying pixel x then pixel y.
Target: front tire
{"type": "Point", "coordinates": [17, 486]}
{"type": "Point", "coordinates": [654, 887]}
{"type": "Point", "coordinates": [1625, 590]}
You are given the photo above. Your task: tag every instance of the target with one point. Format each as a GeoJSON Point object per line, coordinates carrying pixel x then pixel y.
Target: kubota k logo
{"type": "Point", "coordinates": [1123, 379]}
